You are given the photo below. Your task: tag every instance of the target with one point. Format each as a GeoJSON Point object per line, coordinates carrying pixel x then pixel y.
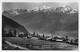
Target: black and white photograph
{"type": "Point", "coordinates": [40, 26]}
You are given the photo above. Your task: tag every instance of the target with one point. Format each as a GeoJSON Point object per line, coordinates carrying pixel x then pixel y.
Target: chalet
{"type": "Point", "coordinates": [59, 39]}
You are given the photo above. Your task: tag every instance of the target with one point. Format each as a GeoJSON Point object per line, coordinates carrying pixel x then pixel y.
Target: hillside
{"type": "Point", "coordinates": [44, 22]}
{"type": "Point", "coordinates": [10, 24]}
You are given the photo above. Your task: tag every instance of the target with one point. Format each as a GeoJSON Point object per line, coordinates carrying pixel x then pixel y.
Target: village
{"type": "Point", "coordinates": [13, 33]}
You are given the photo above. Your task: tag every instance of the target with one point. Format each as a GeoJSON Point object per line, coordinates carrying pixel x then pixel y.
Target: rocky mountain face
{"type": "Point", "coordinates": [11, 13]}
{"type": "Point", "coordinates": [59, 20]}
{"type": "Point", "coordinates": [65, 9]}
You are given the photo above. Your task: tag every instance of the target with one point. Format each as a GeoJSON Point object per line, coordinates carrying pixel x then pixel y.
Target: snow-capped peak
{"type": "Point", "coordinates": [45, 7]}
{"type": "Point", "coordinates": [74, 11]}
{"type": "Point", "coordinates": [66, 9]}
{"type": "Point", "coordinates": [63, 9]}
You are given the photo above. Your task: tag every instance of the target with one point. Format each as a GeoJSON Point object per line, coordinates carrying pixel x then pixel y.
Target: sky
{"type": "Point", "coordinates": [32, 5]}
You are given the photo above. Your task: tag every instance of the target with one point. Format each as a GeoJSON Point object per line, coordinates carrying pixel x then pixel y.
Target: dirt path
{"type": "Point", "coordinates": [14, 45]}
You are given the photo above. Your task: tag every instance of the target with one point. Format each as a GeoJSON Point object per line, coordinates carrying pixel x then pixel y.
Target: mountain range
{"type": "Point", "coordinates": [59, 20]}
{"type": "Point", "coordinates": [65, 9]}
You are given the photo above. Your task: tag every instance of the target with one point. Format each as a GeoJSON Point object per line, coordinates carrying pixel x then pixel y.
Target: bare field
{"type": "Point", "coordinates": [40, 44]}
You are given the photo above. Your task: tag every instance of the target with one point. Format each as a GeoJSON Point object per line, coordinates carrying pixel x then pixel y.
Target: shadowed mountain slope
{"type": "Point", "coordinates": [10, 24]}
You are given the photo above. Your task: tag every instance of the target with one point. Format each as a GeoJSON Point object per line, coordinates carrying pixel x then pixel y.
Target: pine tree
{"type": "Point", "coordinates": [34, 34]}
{"type": "Point", "coordinates": [3, 32]}
{"type": "Point", "coordinates": [43, 36]}
{"type": "Point", "coordinates": [15, 32]}
{"type": "Point", "coordinates": [10, 33]}
{"type": "Point", "coordinates": [76, 40]}
{"type": "Point", "coordinates": [71, 40]}
{"type": "Point", "coordinates": [66, 37]}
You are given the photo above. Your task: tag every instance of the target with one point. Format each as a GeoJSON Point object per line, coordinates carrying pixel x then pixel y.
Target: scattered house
{"type": "Point", "coordinates": [59, 39]}
{"type": "Point", "coordinates": [21, 32]}
{"type": "Point", "coordinates": [29, 36]}
{"type": "Point", "coordinates": [48, 38]}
